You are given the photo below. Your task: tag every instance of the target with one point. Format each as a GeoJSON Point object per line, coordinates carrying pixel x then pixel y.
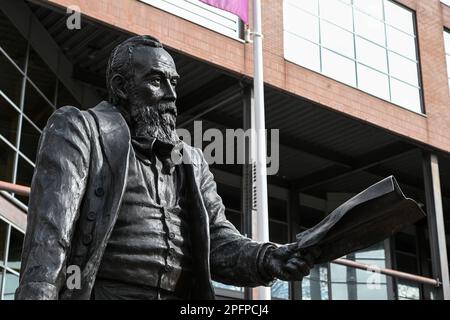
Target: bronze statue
{"type": "Point", "coordinates": [108, 198]}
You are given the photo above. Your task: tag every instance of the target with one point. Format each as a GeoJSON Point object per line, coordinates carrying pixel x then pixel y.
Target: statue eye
{"type": "Point", "coordinates": [155, 81]}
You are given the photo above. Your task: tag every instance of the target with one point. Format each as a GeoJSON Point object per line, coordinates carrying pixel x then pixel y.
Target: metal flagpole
{"type": "Point", "coordinates": [262, 224]}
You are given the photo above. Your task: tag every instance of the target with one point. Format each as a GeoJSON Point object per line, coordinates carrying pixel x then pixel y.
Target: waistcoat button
{"type": "Point", "coordinates": [87, 239]}
{"type": "Point", "coordinates": [91, 216]}
{"type": "Point", "coordinates": [171, 235]}
{"type": "Point", "coordinates": [99, 192]}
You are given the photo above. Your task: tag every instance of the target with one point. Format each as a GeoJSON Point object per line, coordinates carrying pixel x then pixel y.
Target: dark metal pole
{"type": "Point", "coordinates": [436, 228]}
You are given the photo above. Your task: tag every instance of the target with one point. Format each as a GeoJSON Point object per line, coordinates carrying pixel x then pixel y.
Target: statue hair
{"type": "Point", "coordinates": [121, 61]}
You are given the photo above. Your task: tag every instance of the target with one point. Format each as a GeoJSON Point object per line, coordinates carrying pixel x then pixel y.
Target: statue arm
{"type": "Point", "coordinates": [234, 259]}
{"type": "Point", "coordinates": [57, 189]}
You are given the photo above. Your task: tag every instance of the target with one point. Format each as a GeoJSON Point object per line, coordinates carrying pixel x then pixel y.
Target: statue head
{"type": "Point", "coordinates": [141, 80]}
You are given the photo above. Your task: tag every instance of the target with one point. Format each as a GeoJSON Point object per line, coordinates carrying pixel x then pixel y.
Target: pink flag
{"type": "Point", "coordinates": [238, 7]}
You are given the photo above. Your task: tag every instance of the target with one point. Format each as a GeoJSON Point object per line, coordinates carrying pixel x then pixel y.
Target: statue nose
{"type": "Point", "coordinates": [170, 92]}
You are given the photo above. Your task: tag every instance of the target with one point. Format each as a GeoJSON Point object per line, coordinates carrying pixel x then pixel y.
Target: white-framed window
{"type": "Point", "coordinates": [367, 44]}
{"type": "Point", "coordinates": [447, 52]}
{"type": "Point", "coordinates": [202, 14]}
{"type": "Point", "coordinates": [446, 2]}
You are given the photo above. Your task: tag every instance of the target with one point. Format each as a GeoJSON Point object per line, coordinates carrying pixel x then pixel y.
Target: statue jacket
{"type": "Point", "coordinates": [76, 193]}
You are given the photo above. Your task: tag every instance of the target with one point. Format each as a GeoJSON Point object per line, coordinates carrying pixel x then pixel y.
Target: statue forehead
{"type": "Point", "coordinates": [150, 57]}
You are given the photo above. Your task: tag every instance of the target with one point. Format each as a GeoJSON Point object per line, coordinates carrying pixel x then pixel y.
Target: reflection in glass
{"type": "Point", "coordinates": [408, 290]}
{"type": "Point", "coordinates": [315, 286]}
{"type": "Point", "coordinates": [11, 284]}
{"type": "Point", "coordinates": [280, 290]}
{"type": "Point", "coordinates": [15, 249]}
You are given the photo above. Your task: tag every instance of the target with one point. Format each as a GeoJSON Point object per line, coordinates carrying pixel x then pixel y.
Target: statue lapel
{"type": "Point", "coordinates": [115, 141]}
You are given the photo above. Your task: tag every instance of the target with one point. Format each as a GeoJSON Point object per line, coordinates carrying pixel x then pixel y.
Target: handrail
{"type": "Point", "coordinates": [25, 191]}
{"type": "Point", "coordinates": [15, 188]}
{"type": "Point", "coordinates": [388, 272]}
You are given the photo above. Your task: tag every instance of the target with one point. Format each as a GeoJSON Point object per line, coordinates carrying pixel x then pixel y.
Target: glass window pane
{"type": "Point", "coordinates": [370, 28]}
{"type": "Point", "coordinates": [6, 162]}
{"type": "Point", "coordinates": [373, 82]}
{"type": "Point", "coordinates": [374, 252]}
{"type": "Point", "coordinates": [372, 292]}
{"type": "Point", "coordinates": [302, 52]}
{"type": "Point", "coordinates": [24, 176]}
{"type": "Point", "coordinates": [29, 140]}
{"type": "Point", "coordinates": [338, 67]}
{"type": "Point", "coordinates": [301, 23]}
{"type": "Point", "coordinates": [3, 234]}
{"type": "Point", "coordinates": [308, 5]}
{"type": "Point", "coordinates": [405, 95]}
{"type": "Point", "coordinates": [36, 107]}
{"type": "Point", "coordinates": [371, 54]}
{"type": "Point", "coordinates": [10, 81]}
{"type": "Point", "coordinates": [41, 75]}
{"type": "Point", "coordinates": [337, 39]}
{"type": "Point", "coordinates": [401, 43]}
{"type": "Point", "coordinates": [403, 69]}
{"type": "Point", "coordinates": [399, 17]}
{"type": "Point", "coordinates": [337, 12]}
{"type": "Point", "coordinates": [339, 291]}
{"type": "Point", "coordinates": [11, 284]}
{"type": "Point", "coordinates": [280, 290]}
{"type": "Point", "coordinates": [373, 7]}
{"type": "Point", "coordinates": [447, 41]}
{"type": "Point", "coordinates": [408, 290]}
{"type": "Point", "coordinates": [9, 119]}
{"type": "Point", "coordinates": [15, 249]}
{"type": "Point", "coordinates": [12, 41]}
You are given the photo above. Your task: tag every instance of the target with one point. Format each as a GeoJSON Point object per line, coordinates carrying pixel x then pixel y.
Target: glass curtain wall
{"type": "Point", "coordinates": [29, 94]}
{"type": "Point", "coordinates": [367, 44]}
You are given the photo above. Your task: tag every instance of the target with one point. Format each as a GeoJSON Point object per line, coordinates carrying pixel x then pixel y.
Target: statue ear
{"type": "Point", "coordinates": [118, 85]}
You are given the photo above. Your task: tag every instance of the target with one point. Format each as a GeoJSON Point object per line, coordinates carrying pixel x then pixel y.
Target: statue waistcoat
{"type": "Point", "coordinates": [149, 245]}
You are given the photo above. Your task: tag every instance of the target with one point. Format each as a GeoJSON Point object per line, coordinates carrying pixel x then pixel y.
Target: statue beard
{"type": "Point", "coordinates": [155, 121]}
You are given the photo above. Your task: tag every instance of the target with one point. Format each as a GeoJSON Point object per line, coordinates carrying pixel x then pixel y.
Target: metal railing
{"type": "Point", "coordinates": [25, 191]}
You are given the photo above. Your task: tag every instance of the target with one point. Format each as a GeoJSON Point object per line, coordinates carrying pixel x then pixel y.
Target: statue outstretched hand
{"type": "Point", "coordinates": [288, 263]}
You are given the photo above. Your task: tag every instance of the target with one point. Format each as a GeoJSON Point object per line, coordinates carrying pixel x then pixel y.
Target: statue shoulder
{"type": "Point", "coordinates": [68, 118]}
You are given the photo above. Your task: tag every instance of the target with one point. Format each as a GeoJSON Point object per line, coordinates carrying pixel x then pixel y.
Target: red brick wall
{"type": "Point", "coordinates": [432, 129]}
